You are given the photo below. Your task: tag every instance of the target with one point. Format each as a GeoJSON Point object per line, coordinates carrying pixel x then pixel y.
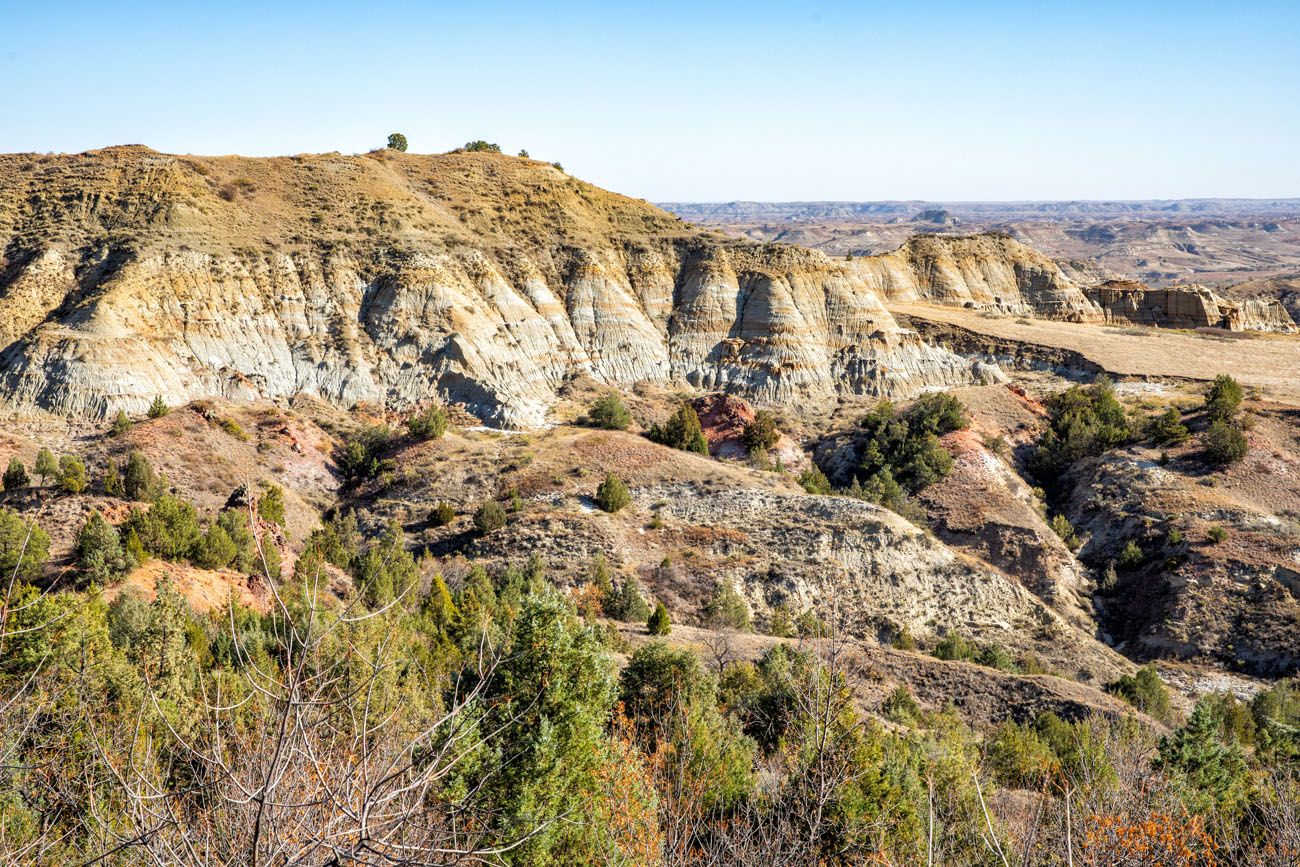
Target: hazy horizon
{"type": "Point", "coordinates": [701, 102]}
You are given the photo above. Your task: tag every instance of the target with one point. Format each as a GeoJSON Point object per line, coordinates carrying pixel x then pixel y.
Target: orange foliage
{"type": "Point", "coordinates": [1156, 840]}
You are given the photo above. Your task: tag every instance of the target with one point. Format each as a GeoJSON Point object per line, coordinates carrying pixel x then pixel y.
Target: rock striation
{"type": "Point", "coordinates": [393, 278]}
{"type": "Point", "coordinates": [995, 272]}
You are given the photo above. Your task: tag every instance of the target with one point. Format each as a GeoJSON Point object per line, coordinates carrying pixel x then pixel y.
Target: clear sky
{"type": "Point", "coordinates": [694, 100]}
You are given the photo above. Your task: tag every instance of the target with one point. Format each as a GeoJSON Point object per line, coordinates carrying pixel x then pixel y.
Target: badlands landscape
{"type": "Point", "coordinates": [393, 508]}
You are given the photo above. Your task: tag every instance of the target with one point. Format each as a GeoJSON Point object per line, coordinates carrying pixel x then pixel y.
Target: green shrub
{"type": "Point", "coordinates": [901, 453]}
{"type": "Point", "coordinates": [158, 408]}
{"type": "Point", "coordinates": [997, 656]}
{"type": "Point", "coordinates": [1062, 528]}
{"type": "Point", "coordinates": [1224, 443]}
{"type": "Point", "coordinates": [954, 646]}
{"type": "Point", "coordinates": [46, 465]}
{"type": "Point", "coordinates": [396, 142]}
{"type": "Point", "coordinates": [658, 623]}
{"type": "Point", "coordinates": [1217, 535]}
{"type": "Point", "coordinates": [1145, 691]}
{"type": "Point", "coordinates": [216, 550]}
{"type": "Point", "coordinates": [138, 478]}
{"type": "Point", "coordinates": [1132, 555]}
{"type": "Point", "coordinates": [903, 639]}
{"type": "Point", "coordinates": [1223, 398]}
{"type": "Point", "coordinates": [612, 494]}
{"type": "Point", "coordinates": [360, 457]}
{"type": "Point", "coordinates": [112, 480]}
{"type": "Point", "coordinates": [72, 474]}
{"type": "Point", "coordinates": [489, 517]}
{"type": "Point", "coordinates": [781, 622]}
{"type": "Point", "coordinates": [1020, 758]}
{"type": "Point", "coordinates": [1084, 421]}
{"type": "Point", "coordinates": [235, 429]}
{"type": "Point", "coordinates": [429, 424]}
{"type": "Point", "coordinates": [609, 413]}
{"type": "Point", "coordinates": [169, 528]}
{"type": "Point", "coordinates": [900, 707]}
{"type": "Point", "coordinates": [1167, 428]}
{"type": "Point", "coordinates": [681, 431]}
{"type": "Point", "coordinates": [121, 423]}
{"type": "Point", "coordinates": [15, 475]}
{"type": "Point", "coordinates": [760, 435]}
{"type": "Point", "coordinates": [626, 603]}
{"type": "Point", "coordinates": [442, 514]}
{"type": "Point", "coordinates": [270, 506]}
{"type": "Point", "coordinates": [1214, 771]}
{"type": "Point", "coordinates": [481, 146]}
{"type": "Point", "coordinates": [24, 547]}
{"type": "Point", "coordinates": [727, 608]}
{"type": "Point", "coordinates": [814, 481]}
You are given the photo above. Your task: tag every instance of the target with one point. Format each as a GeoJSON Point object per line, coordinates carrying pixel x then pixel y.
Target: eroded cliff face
{"type": "Point", "coordinates": [986, 271]}
{"type": "Point", "coordinates": [395, 279]}
{"type": "Point", "coordinates": [997, 273]}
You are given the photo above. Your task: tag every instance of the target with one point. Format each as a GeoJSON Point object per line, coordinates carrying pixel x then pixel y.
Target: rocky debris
{"type": "Point", "coordinates": [983, 507]}
{"type": "Point", "coordinates": [1189, 598]}
{"type": "Point", "coordinates": [723, 419]}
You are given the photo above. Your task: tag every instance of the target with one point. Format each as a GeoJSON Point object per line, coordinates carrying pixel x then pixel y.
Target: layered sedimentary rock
{"type": "Point", "coordinates": [987, 271]}
{"type": "Point", "coordinates": [395, 279]}
{"type": "Point", "coordinates": [1187, 307]}
{"type": "Point", "coordinates": [997, 273]}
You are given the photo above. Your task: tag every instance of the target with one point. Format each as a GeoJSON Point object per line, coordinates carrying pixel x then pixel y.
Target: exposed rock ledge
{"type": "Point", "coordinates": [480, 279]}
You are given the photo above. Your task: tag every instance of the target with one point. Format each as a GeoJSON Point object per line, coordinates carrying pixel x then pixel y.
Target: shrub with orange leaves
{"type": "Point", "coordinates": [1155, 840]}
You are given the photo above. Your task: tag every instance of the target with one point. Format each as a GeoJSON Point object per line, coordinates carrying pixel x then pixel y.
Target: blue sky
{"type": "Point", "coordinates": [694, 100]}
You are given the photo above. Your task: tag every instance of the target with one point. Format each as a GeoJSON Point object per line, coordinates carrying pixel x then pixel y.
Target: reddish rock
{"type": "Point", "coordinates": [723, 418]}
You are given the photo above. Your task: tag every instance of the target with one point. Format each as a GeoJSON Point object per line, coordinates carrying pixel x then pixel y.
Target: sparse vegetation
{"type": "Point", "coordinates": [1145, 691]}
{"type": "Point", "coordinates": [1223, 399]}
{"type": "Point", "coordinates": [158, 408]}
{"type": "Point", "coordinates": [658, 623]}
{"type": "Point", "coordinates": [609, 413]}
{"type": "Point", "coordinates": [612, 495]}
{"type": "Point", "coordinates": [761, 434]}
{"type": "Point", "coordinates": [681, 431]}
{"type": "Point", "coordinates": [727, 608]}
{"type": "Point", "coordinates": [489, 517]}
{"type": "Point", "coordinates": [442, 514]}
{"type": "Point", "coordinates": [1224, 443]}
{"type": "Point", "coordinates": [480, 146]}
{"type": "Point", "coordinates": [15, 475]}
{"type": "Point", "coordinates": [121, 423]}
{"type": "Point", "coordinates": [430, 424]}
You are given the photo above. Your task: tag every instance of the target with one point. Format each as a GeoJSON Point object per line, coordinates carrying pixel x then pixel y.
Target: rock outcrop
{"type": "Point", "coordinates": [1187, 307]}
{"type": "Point", "coordinates": [989, 271]}
{"type": "Point", "coordinates": [995, 272]}
{"type": "Point", "coordinates": [393, 278]}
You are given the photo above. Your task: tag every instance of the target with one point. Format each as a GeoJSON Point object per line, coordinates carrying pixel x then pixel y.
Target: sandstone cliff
{"type": "Point", "coordinates": [394, 278]}
{"type": "Point", "coordinates": [997, 273]}
{"type": "Point", "coordinates": [987, 271]}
